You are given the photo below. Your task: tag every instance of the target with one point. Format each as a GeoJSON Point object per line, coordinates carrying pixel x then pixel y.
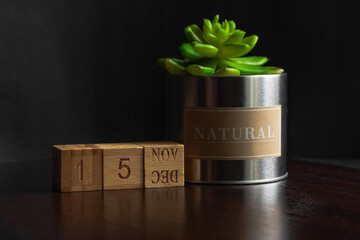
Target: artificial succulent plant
{"type": "Point", "coordinates": [217, 49]}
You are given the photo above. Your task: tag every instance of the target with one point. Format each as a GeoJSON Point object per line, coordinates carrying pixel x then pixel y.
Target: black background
{"type": "Point", "coordinates": [85, 71]}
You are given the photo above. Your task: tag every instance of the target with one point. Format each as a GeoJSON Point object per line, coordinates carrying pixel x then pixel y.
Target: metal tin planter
{"type": "Point", "coordinates": [233, 128]}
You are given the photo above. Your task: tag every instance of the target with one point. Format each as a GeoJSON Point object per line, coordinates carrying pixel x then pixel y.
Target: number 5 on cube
{"type": "Point", "coordinates": [122, 166]}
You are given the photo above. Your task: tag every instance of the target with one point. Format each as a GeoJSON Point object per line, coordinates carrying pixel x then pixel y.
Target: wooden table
{"type": "Point", "coordinates": [316, 202]}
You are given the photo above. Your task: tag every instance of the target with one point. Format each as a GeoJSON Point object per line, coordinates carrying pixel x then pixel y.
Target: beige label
{"type": "Point", "coordinates": [233, 133]}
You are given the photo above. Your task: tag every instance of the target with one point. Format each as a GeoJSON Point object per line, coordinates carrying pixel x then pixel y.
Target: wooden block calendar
{"type": "Point", "coordinates": [163, 164]}
{"type": "Point", "coordinates": [112, 166]}
{"type": "Point", "coordinates": [122, 166]}
{"type": "Point", "coordinates": [76, 168]}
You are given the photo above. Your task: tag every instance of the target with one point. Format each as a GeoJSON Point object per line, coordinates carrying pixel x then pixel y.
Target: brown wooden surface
{"type": "Point", "coordinates": [316, 202]}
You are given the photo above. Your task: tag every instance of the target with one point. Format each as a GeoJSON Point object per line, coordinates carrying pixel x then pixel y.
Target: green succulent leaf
{"type": "Point", "coordinates": [225, 26]}
{"type": "Point", "coordinates": [236, 37]}
{"type": "Point", "coordinates": [185, 63]}
{"type": "Point", "coordinates": [205, 50]}
{"type": "Point", "coordinates": [232, 26]}
{"type": "Point", "coordinates": [252, 60]}
{"type": "Point", "coordinates": [232, 50]}
{"type": "Point", "coordinates": [227, 72]}
{"type": "Point", "coordinates": [198, 32]}
{"type": "Point", "coordinates": [211, 39]}
{"type": "Point", "coordinates": [188, 51]}
{"type": "Point", "coordinates": [193, 33]}
{"type": "Point", "coordinates": [251, 41]}
{"type": "Point", "coordinates": [251, 70]}
{"type": "Point", "coordinates": [198, 70]}
{"type": "Point", "coordinates": [221, 34]}
{"type": "Point", "coordinates": [161, 61]}
{"type": "Point", "coordinates": [207, 27]}
{"type": "Point", "coordinates": [209, 62]}
{"type": "Point", "coordinates": [215, 21]}
{"type": "Point", "coordinates": [174, 68]}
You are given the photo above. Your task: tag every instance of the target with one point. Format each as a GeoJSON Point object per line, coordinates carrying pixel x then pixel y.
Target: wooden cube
{"type": "Point", "coordinates": [163, 164]}
{"type": "Point", "coordinates": [76, 168]}
{"type": "Point", "coordinates": [122, 166]}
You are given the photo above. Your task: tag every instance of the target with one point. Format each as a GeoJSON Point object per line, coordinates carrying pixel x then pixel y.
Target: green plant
{"type": "Point", "coordinates": [217, 49]}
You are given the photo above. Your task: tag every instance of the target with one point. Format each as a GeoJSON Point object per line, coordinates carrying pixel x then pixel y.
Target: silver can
{"type": "Point", "coordinates": [234, 128]}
